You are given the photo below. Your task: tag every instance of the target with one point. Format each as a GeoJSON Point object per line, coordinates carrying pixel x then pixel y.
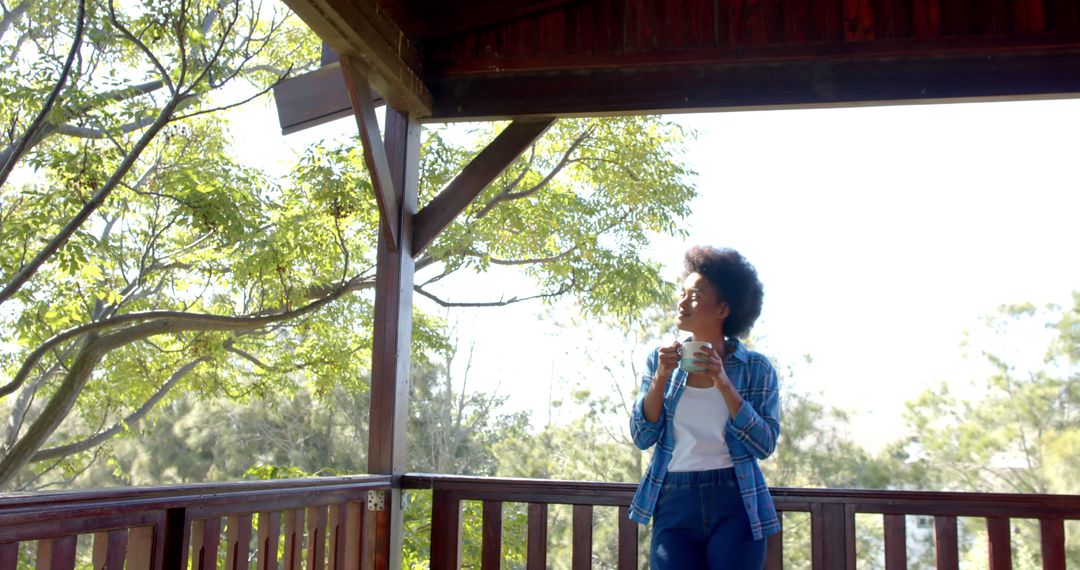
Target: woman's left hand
{"type": "Point", "coordinates": [713, 365]}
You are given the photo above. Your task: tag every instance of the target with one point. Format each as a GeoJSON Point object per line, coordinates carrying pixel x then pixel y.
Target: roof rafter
{"type": "Point", "coordinates": [381, 51]}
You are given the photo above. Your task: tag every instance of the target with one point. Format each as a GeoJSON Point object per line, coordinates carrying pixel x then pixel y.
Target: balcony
{"type": "Point", "coordinates": [328, 523]}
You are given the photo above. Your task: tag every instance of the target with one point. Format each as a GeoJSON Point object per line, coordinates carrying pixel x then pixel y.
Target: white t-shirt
{"type": "Point", "coordinates": [700, 419]}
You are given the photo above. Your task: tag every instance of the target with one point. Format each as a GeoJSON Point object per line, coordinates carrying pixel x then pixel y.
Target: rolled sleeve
{"type": "Point", "coordinates": [757, 425]}
{"type": "Point", "coordinates": [644, 432]}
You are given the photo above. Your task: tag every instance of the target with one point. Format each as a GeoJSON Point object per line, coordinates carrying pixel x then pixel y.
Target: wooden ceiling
{"type": "Point", "coordinates": [484, 59]}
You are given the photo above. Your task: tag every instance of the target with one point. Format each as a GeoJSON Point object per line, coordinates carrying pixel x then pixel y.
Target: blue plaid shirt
{"type": "Point", "coordinates": [751, 435]}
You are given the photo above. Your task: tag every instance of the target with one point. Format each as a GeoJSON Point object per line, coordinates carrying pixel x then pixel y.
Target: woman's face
{"type": "Point", "coordinates": [700, 310]}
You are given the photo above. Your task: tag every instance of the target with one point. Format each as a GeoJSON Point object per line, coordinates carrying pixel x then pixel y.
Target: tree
{"type": "Point", "coordinates": [169, 267]}
{"type": "Point", "coordinates": [1017, 432]}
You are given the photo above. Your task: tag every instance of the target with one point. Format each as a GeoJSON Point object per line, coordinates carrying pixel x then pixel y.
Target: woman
{"type": "Point", "coordinates": [704, 490]}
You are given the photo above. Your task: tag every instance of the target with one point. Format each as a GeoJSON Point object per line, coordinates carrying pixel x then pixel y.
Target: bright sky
{"type": "Point", "coordinates": [882, 235]}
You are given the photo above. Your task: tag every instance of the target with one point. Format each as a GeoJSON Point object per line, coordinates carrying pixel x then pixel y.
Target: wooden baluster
{"type": "Point", "coordinates": [206, 537]}
{"type": "Point", "coordinates": [316, 535]}
{"type": "Point", "coordinates": [537, 537]}
{"type": "Point", "coordinates": [491, 545]}
{"type": "Point", "coordinates": [140, 548]}
{"type": "Point", "coordinates": [354, 535]}
{"type": "Point", "coordinates": [582, 550]}
{"type": "Point", "coordinates": [445, 530]}
{"type": "Point", "coordinates": [269, 534]}
{"type": "Point", "coordinates": [1000, 543]}
{"type": "Point", "coordinates": [832, 529]}
{"type": "Point", "coordinates": [109, 549]}
{"type": "Point", "coordinates": [335, 531]}
{"type": "Point", "coordinates": [774, 556]}
{"type": "Point", "coordinates": [196, 542]}
{"type": "Point", "coordinates": [628, 540]}
{"type": "Point", "coordinates": [294, 529]}
{"type": "Point", "coordinates": [1053, 543]}
{"type": "Point", "coordinates": [238, 529]}
{"type": "Point", "coordinates": [895, 542]}
{"type": "Point", "coordinates": [9, 555]}
{"type": "Point", "coordinates": [56, 553]}
{"type": "Point", "coordinates": [945, 538]}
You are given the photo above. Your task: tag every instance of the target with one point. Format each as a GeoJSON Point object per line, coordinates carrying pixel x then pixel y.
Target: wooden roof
{"type": "Point", "coordinates": [482, 59]}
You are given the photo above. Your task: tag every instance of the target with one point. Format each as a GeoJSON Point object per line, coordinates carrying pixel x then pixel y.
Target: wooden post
{"type": "Point", "coordinates": [392, 339]}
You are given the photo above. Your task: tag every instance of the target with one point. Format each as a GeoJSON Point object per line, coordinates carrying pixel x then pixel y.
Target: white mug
{"type": "Point", "coordinates": [688, 349]}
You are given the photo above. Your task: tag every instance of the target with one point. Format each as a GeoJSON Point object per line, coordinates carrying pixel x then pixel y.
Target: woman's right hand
{"type": "Point", "coordinates": [665, 365]}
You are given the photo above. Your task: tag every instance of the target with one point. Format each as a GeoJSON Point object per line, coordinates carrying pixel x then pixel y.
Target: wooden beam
{"type": "Point", "coordinates": [805, 82]}
{"type": "Point", "coordinates": [314, 98]}
{"type": "Point", "coordinates": [481, 171]}
{"type": "Point", "coordinates": [392, 339]}
{"type": "Point", "coordinates": [363, 30]}
{"type": "Point", "coordinates": [374, 152]}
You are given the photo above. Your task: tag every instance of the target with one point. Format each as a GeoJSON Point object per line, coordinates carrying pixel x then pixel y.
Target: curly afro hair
{"type": "Point", "coordinates": [735, 281]}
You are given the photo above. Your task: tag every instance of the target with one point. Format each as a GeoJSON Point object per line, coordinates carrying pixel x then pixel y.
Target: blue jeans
{"type": "Point", "coordinates": [700, 522]}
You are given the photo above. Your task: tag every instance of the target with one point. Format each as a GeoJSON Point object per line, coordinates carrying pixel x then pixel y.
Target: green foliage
{"type": "Point", "coordinates": [188, 228]}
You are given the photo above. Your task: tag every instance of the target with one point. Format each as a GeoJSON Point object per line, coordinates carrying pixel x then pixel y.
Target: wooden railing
{"type": "Point", "coordinates": [319, 523]}
{"type": "Point", "coordinates": [831, 511]}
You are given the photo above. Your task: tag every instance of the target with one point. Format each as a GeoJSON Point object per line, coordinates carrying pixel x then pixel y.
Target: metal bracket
{"type": "Point", "coordinates": [376, 500]}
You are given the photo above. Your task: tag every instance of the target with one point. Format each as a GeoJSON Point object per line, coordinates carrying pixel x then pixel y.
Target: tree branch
{"type": "Point", "coordinates": [28, 270]}
{"type": "Point", "coordinates": [39, 120]}
{"type": "Point", "coordinates": [448, 304]}
{"type": "Point", "coordinates": [123, 425]}
{"type": "Point", "coordinates": [12, 16]}
{"type": "Point", "coordinates": [507, 195]}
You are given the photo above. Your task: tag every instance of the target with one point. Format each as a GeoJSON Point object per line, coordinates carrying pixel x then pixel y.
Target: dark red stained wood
{"type": "Point", "coordinates": [628, 541]}
{"type": "Point", "coordinates": [1052, 532]}
{"type": "Point", "coordinates": [999, 542]}
{"type": "Point", "coordinates": [699, 23]}
{"type": "Point", "coordinates": [116, 549]}
{"type": "Point", "coordinates": [382, 180]}
{"type": "Point", "coordinates": [354, 535]}
{"type": "Point", "coordinates": [858, 21]}
{"type": "Point", "coordinates": [1030, 16]}
{"type": "Point", "coordinates": [796, 21]}
{"type": "Point", "coordinates": [336, 521]}
{"type": "Point", "coordinates": [385, 556]}
{"type": "Point", "coordinates": [581, 557]}
{"type": "Point", "coordinates": [829, 529]}
{"type": "Point", "coordinates": [445, 531]}
{"type": "Point", "coordinates": [892, 19]}
{"type": "Point", "coordinates": [895, 542]}
{"type": "Point", "coordinates": [536, 556]}
{"type": "Point", "coordinates": [552, 32]}
{"type": "Point", "coordinates": [1062, 15]}
{"type": "Point", "coordinates": [9, 555]}
{"type": "Point", "coordinates": [828, 21]}
{"type": "Point", "coordinates": [491, 545]}
{"type": "Point", "coordinates": [927, 18]}
{"type": "Point", "coordinates": [609, 22]}
{"type": "Point", "coordinates": [294, 539]}
{"type": "Point", "coordinates": [56, 553]}
{"type": "Point", "coordinates": [481, 171]}
{"type": "Point", "coordinates": [238, 528]}
{"type": "Point", "coordinates": [211, 540]}
{"type": "Point", "coordinates": [736, 22]}
{"type": "Point", "coordinates": [774, 555]}
{"type": "Point", "coordinates": [391, 341]}
{"type": "Point", "coordinates": [316, 538]}
{"type": "Point", "coordinates": [269, 535]}
{"type": "Point", "coordinates": [945, 540]}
